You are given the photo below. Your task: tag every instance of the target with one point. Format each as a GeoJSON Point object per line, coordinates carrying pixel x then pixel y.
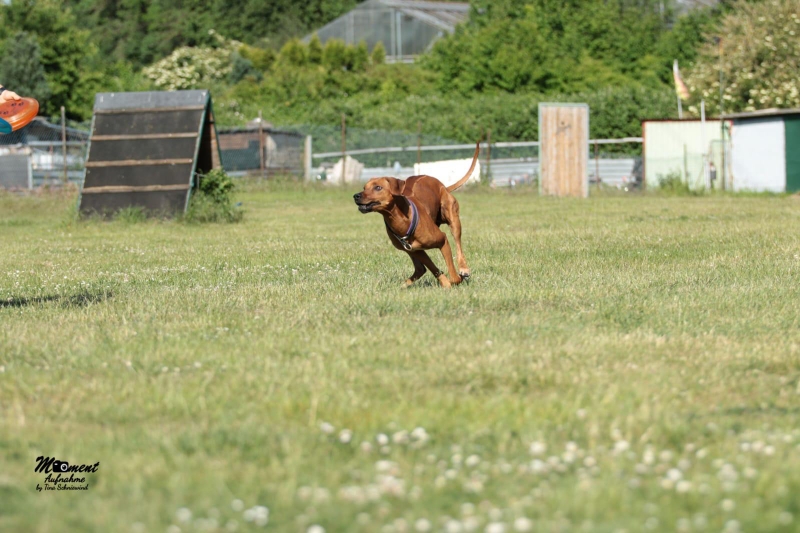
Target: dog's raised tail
{"type": "Point", "coordinates": [463, 180]}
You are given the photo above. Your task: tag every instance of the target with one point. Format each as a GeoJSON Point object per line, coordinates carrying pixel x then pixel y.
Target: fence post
{"type": "Point", "coordinates": [597, 162]}
{"type": "Point", "coordinates": [488, 155]}
{"type": "Point", "coordinates": [419, 142]}
{"type": "Point", "coordinates": [344, 147]}
{"type": "Point", "coordinates": [261, 143]}
{"type": "Point", "coordinates": [307, 159]}
{"type": "Point", "coordinates": [64, 142]}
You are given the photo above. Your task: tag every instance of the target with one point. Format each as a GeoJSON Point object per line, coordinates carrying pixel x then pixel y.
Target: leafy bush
{"type": "Point", "coordinates": [335, 55]}
{"type": "Point", "coordinates": [378, 54]}
{"type": "Point", "coordinates": [212, 200]}
{"type": "Point", "coordinates": [188, 68]}
{"type": "Point", "coordinates": [761, 59]}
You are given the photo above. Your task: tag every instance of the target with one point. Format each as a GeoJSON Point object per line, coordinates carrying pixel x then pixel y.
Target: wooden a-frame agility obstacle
{"type": "Point", "coordinates": [146, 150]}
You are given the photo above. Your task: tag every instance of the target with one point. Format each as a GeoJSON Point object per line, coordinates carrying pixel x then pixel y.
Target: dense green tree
{"type": "Point", "coordinates": [21, 67]}
{"type": "Point", "coordinates": [67, 52]}
{"type": "Point", "coordinates": [551, 45]}
{"type": "Point", "coordinates": [143, 31]}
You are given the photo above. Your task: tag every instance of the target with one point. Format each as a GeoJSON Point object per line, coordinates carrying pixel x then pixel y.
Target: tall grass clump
{"type": "Point", "coordinates": [212, 200]}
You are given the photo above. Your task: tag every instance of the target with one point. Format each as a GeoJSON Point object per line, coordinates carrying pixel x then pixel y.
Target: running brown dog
{"type": "Point", "coordinates": [413, 209]}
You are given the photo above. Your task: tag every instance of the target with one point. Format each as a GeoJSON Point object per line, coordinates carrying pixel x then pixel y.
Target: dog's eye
{"type": "Point", "coordinates": [378, 188]}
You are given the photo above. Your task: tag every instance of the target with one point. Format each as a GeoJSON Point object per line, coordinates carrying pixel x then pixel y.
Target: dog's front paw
{"type": "Point", "coordinates": [464, 273]}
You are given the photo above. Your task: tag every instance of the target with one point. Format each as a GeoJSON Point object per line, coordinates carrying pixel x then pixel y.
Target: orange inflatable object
{"type": "Point", "coordinates": [16, 114]}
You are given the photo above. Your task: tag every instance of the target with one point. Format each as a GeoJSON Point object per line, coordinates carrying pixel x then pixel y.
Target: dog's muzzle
{"type": "Point", "coordinates": [364, 208]}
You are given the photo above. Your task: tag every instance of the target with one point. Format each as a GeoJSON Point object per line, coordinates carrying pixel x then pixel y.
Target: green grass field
{"type": "Point", "coordinates": [615, 364]}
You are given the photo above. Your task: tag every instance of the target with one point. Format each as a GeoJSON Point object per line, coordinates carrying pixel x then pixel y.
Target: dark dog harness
{"type": "Point", "coordinates": [411, 228]}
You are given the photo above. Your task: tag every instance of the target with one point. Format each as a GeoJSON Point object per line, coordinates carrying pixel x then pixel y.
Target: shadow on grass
{"type": "Point", "coordinates": [82, 299]}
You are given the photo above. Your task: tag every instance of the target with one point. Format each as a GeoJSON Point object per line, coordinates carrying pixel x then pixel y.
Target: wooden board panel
{"type": "Point", "coordinates": [137, 176]}
{"type": "Point", "coordinates": [564, 149]}
{"type": "Point", "coordinates": [157, 203]}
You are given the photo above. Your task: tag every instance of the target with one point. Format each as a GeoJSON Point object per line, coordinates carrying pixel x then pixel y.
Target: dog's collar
{"type": "Point", "coordinates": [411, 228]}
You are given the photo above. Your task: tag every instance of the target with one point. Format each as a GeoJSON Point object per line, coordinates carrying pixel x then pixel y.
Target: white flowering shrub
{"type": "Point", "coordinates": [190, 67]}
{"type": "Point", "coordinates": [760, 59]}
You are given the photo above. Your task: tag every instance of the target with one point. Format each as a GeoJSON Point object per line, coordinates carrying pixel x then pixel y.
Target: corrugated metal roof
{"type": "Point", "coordinates": [772, 112]}
{"type": "Point", "coordinates": [443, 15]}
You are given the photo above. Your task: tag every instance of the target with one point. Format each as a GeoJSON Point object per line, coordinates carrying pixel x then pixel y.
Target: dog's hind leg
{"type": "Point", "coordinates": [419, 268]}
{"type": "Point", "coordinates": [451, 215]}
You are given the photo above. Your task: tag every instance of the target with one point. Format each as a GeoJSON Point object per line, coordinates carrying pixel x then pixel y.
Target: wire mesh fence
{"type": "Point", "coordinates": [613, 162]}
{"type": "Point", "coordinates": [54, 155]}
{"type": "Point", "coordinates": [272, 152]}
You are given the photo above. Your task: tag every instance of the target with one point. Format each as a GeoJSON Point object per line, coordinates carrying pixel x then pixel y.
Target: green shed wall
{"type": "Point", "coordinates": [792, 124]}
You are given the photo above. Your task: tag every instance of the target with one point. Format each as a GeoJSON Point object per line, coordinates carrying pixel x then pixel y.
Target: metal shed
{"type": "Point", "coordinates": [677, 147]}
{"type": "Point", "coordinates": [406, 28]}
{"type": "Point", "coordinates": [765, 150]}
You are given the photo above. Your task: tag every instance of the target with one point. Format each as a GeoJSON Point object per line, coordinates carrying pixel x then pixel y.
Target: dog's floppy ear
{"type": "Point", "coordinates": [396, 185]}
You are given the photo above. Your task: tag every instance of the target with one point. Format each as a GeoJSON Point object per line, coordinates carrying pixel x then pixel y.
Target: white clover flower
{"type": "Point", "coordinates": [683, 486]}
{"type": "Point", "coordinates": [315, 529]}
{"type": "Point", "coordinates": [382, 439]}
{"type": "Point", "coordinates": [401, 437]}
{"type": "Point", "coordinates": [621, 446]}
{"type": "Point", "coordinates": [261, 515]}
{"type": "Point", "coordinates": [674, 474]}
{"type": "Point", "coordinates": [453, 526]}
{"type": "Point", "coordinates": [538, 448]}
{"type": "Point", "coordinates": [472, 461]}
{"type": "Point", "coordinates": [731, 526]}
{"type": "Point", "coordinates": [495, 527]}
{"type": "Point", "coordinates": [237, 505]}
{"type": "Point", "coordinates": [326, 428]}
{"type": "Point", "coordinates": [728, 505]}
{"type": "Point", "coordinates": [366, 447]}
{"type": "Point", "coordinates": [385, 466]}
{"type": "Point", "coordinates": [523, 524]}
{"type": "Point", "coordinates": [183, 514]}
{"type": "Point", "coordinates": [423, 525]}
{"type": "Point", "coordinates": [345, 436]}
{"type": "Point", "coordinates": [471, 523]}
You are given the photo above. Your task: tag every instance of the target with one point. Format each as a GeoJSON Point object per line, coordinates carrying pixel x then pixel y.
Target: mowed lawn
{"type": "Point", "coordinates": [618, 363]}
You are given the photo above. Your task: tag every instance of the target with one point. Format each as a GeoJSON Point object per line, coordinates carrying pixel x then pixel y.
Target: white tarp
{"type": "Point", "coordinates": [353, 170]}
{"type": "Point", "coordinates": [758, 155]}
{"type": "Point", "coordinates": [449, 172]}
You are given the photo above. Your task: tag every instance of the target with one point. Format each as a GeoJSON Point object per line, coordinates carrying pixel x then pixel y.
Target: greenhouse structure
{"type": "Point", "coordinates": [406, 28]}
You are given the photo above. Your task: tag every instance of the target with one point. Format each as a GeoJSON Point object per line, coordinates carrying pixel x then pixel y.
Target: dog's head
{"type": "Point", "coordinates": [378, 194]}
